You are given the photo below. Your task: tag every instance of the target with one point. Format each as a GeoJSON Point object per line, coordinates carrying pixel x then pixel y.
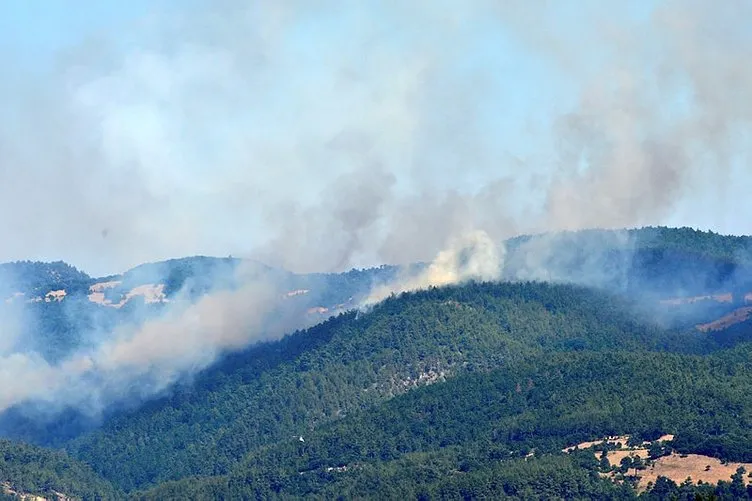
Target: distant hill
{"type": "Point", "coordinates": [36, 279]}
{"type": "Point", "coordinates": [655, 261]}
{"type": "Point", "coordinates": [681, 277]}
{"type": "Point", "coordinates": [288, 388]}
{"type": "Point", "coordinates": [27, 471]}
{"type": "Point", "coordinates": [465, 391]}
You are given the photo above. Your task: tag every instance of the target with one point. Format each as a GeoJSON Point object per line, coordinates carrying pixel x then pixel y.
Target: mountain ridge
{"type": "Point", "coordinates": [604, 317]}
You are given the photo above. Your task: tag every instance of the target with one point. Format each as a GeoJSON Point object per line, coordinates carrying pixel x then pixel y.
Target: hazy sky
{"type": "Point", "coordinates": [325, 134]}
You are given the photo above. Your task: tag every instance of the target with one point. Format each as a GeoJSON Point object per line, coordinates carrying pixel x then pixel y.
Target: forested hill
{"type": "Point", "coordinates": [33, 471]}
{"type": "Point", "coordinates": [684, 240]}
{"type": "Point", "coordinates": [464, 438]}
{"type": "Point", "coordinates": [62, 306]}
{"type": "Point", "coordinates": [462, 391]}
{"type": "Point", "coordinates": [346, 366]}
{"type": "Point", "coordinates": [654, 261]}
{"type": "Point", "coordinates": [676, 258]}
{"type": "Point", "coordinates": [35, 279]}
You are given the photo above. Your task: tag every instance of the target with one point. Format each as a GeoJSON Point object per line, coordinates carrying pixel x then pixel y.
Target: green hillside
{"type": "Point", "coordinates": [467, 391]}
{"type": "Point", "coordinates": [289, 388]}
{"type": "Point", "coordinates": [26, 469]}
{"type": "Point", "coordinates": [464, 436]}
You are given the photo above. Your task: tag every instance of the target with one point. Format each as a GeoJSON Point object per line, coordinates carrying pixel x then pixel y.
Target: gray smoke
{"type": "Point", "coordinates": [318, 136]}
{"type": "Point", "coordinates": [235, 127]}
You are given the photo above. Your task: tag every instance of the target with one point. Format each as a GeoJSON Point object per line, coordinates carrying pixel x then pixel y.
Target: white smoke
{"type": "Point", "coordinates": [154, 354]}
{"type": "Point", "coordinates": [233, 127]}
{"type": "Point", "coordinates": [471, 256]}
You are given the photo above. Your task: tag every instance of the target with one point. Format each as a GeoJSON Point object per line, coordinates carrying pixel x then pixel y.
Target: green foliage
{"type": "Point", "coordinates": [282, 389]}
{"type": "Point", "coordinates": [651, 262]}
{"type": "Point", "coordinates": [541, 406]}
{"type": "Point", "coordinates": [289, 388]}
{"type": "Point", "coordinates": [34, 278]}
{"type": "Point", "coordinates": [415, 476]}
{"type": "Point", "coordinates": [697, 242]}
{"type": "Point", "coordinates": [29, 469]}
{"type": "Point", "coordinates": [457, 392]}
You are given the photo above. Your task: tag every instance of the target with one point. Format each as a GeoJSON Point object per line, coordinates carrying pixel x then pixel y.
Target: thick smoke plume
{"type": "Point", "coordinates": [318, 136]}
{"type": "Point", "coordinates": [257, 127]}
{"type": "Point", "coordinates": [472, 256]}
{"type": "Point", "coordinates": [146, 357]}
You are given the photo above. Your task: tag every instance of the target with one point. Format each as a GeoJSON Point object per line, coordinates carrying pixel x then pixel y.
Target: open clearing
{"type": "Point", "coordinates": [694, 466]}
{"type": "Point", "coordinates": [674, 466]}
{"type": "Point", "coordinates": [735, 317]}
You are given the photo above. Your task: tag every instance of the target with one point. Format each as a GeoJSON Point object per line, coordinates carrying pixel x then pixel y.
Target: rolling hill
{"type": "Point", "coordinates": [470, 390]}
{"type": "Point", "coordinates": [34, 472]}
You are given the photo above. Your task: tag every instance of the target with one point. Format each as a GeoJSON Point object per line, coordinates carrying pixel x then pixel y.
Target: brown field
{"type": "Point", "coordinates": [737, 316]}
{"type": "Point", "coordinates": [678, 468]}
{"type": "Point", "coordinates": [675, 467]}
{"type": "Point", "coordinates": [615, 457]}
{"type": "Point", "coordinates": [152, 293]}
{"type": "Point", "coordinates": [720, 298]}
{"type": "Point", "coordinates": [611, 440]}
{"type": "Point", "coordinates": [101, 286]}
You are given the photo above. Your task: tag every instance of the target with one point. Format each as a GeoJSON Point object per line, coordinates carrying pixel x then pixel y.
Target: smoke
{"type": "Point", "coordinates": [147, 357]}
{"type": "Point", "coordinates": [590, 258]}
{"type": "Point", "coordinates": [320, 136]}
{"type": "Point", "coordinates": [255, 128]}
{"type": "Point", "coordinates": [472, 256]}
{"type": "Point", "coordinates": [660, 124]}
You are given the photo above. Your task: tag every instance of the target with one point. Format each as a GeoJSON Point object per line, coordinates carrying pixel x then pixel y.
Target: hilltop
{"type": "Point", "coordinates": [431, 393]}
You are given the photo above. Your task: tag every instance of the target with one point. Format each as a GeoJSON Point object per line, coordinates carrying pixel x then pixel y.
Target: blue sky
{"type": "Point", "coordinates": [254, 128]}
{"type": "Point", "coordinates": [35, 31]}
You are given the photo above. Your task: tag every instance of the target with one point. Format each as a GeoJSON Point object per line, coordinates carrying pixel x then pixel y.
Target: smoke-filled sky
{"type": "Point", "coordinates": [326, 134]}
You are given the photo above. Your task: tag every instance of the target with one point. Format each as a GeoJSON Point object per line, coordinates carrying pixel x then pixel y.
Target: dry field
{"type": "Point", "coordinates": [694, 466]}
{"type": "Point", "coordinates": [675, 467]}
{"type": "Point", "coordinates": [737, 316]}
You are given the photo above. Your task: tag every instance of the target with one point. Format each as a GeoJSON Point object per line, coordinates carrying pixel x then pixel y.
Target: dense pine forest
{"type": "Point", "coordinates": [470, 391]}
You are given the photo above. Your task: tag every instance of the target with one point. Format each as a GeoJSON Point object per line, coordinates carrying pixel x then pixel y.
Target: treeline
{"type": "Point", "coordinates": [35, 278]}
{"type": "Point", "coordinates": [33, 470]}
{"type": "Point", "coordinates": [689, 240]}
{"type": "Point", "coordinates": [354, 362]}
{"type": "Point", "coordinates": [652, 262]}
{"type": "Point", "coordinates": [463, 433]}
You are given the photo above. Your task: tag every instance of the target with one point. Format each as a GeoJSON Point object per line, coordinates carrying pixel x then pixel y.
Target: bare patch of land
{"type": "Point", "coordinates": [676, 467]}
{"type": "Point", "coordinates": [55, 296]}
{"type": "Point", "coordinates": [615, 457]}
{"type": "Point", "coordinates": [152, 293]}
{"type": "Point", "coordinates": [615, 440]}
{"type": "Point", "coordinates": [719, 298]}
{"type": "Point", "coordinates": [737, 316]}
{"type": "Point", "coordinates": [699, 468]}
{"type": "Point", "coordinates": [25, 496]}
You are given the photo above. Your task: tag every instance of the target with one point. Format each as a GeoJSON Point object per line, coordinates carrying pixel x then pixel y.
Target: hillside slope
{"type": "Point", "coordinates": [464, 435]}
{"type": "Point", "coordinates": [25, 469]}
{"type": "Point", "coordinates": [288, 388]}
{"type": "Point", "coordinates": [656, 262]}
{"type": "Point", "coordinates": [651, 288]}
